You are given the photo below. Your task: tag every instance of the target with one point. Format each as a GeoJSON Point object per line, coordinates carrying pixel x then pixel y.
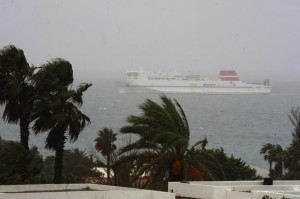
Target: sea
{"type": "Point", "coordinates": [240, 124]}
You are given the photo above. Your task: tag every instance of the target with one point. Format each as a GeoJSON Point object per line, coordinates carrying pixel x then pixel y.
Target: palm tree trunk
{"type": "Point", "coordinates": [108, 169]}
{"type": "Point", "coordinates": [59, 154]}
{"type": "Point", "coordinates": [24, 132]}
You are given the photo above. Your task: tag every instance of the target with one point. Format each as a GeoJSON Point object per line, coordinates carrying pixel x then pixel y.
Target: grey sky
{"type": "Point", "coordinates": [258, 38]}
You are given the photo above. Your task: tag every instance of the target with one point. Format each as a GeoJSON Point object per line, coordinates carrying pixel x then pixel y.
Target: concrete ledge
{"type": "Point", "coordinates": [78, 191]}
{"type": "Point", "coordinates": [51, 187]}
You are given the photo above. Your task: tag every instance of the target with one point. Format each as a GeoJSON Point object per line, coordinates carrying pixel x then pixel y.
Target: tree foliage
{"type": "Point", "coordinates": [234, 168]}
{"type": "Point", "coordinates": [77, 167]}
{"type": "Point", "coordinates": [18, 165]}
{"type": "Point", "coordinates": [45, 97]}
{"type": "Point", "coordinates": [289, 158]}
{"type": "Point", "coordinates": [292, 160]}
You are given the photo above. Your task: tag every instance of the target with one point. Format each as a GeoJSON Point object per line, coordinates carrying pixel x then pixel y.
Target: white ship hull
{"type": "Point", "coordinates": [177, 83]}
{"type": "Point", "coordinates": [196, 90]}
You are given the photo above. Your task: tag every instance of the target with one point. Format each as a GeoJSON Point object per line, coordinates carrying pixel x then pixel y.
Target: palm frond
{"type": "Point", "coordinates": [201, 142]}
{"type": "Point", "coordinates": [163, 137]}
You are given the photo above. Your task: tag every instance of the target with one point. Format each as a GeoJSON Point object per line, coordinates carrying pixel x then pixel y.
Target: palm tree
{"type": "Point", "coordinates": [105, 144]}
{"type": "Point", "coordinates": [279, 159]}
{"type": "Point", "coordinates": [273, 153]}
{"type": "Point", "coordinates": [267, 150]}
{"type": "Point", "coordinates": [162, 145]}
{"type": "Point", "coordinates": [57, 109]}
{"type": "Point", "coordinates": [16, 90]}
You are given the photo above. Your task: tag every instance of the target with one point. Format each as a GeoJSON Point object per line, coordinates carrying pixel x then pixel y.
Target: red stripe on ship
{"type": "Point", "coordinates": [228, 75]}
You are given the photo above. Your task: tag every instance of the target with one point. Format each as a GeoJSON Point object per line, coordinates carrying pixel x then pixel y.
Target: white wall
{"type": "Point", "coordinates": [66, 191]}
{"type": "Point", "coordinates": [238, 195]}
{"type": "Point", "coordinates": [191, 190]}
{"type": "Point", "coordinates": [89, 195]}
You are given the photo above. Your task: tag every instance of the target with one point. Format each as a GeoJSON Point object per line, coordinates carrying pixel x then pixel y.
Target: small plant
{"type": "Point", "coordinates": [184, 181]}
{"type": "Point", "coordinates": [269, 197]}
{"type": "Point", "coordinates": [266, 197]}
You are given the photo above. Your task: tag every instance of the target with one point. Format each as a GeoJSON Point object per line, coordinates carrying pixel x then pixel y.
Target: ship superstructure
{"type": "Point", "coordinates": [174, 82]}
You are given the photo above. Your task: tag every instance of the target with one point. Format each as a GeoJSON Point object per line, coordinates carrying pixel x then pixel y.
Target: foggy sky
{"type": "Point", "coordinates": [105, 38]}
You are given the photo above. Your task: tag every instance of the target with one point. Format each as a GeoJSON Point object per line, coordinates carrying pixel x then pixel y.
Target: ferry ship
{"type": "Point", "coordinates": [174, 82]}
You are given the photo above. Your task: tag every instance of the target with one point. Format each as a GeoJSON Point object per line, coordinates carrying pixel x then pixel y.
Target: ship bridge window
{"type": "Point", "coordinates": [209, 85]}
{"type": "Point", "coordinates": [132, 75]}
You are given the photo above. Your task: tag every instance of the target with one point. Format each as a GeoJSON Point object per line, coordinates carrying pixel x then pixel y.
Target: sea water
{"type": "Point", "coordinates": [240, 124]}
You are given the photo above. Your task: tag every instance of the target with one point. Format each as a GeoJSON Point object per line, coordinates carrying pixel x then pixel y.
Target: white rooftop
{"type": "Point", "coordinates": [236, 189]}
